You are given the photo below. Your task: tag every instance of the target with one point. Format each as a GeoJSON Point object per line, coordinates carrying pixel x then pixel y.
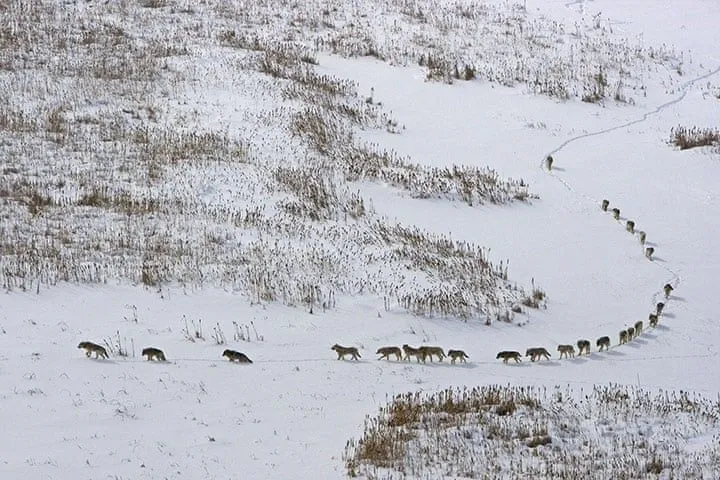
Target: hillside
{"type": "Point", "coordinates": [278, 177]}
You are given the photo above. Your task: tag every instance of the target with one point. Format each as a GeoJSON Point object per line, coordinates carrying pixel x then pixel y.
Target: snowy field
{"type": "Point", "coordinates": [292, 411]}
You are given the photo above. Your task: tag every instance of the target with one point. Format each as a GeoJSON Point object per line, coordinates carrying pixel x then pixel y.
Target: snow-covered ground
{"type": "Point", "coordinates": [290, 413]}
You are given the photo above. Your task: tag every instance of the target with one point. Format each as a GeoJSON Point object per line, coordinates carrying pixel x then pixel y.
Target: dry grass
{"type": "Point", "coordinates": [685, 138]}
{"type": "Point", "coordinates": [107, 177]}
{"type": "Point", "coordinates": [496, 432]}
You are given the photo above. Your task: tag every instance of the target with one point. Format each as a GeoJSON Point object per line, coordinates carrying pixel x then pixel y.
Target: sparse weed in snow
{"type": "Point", "coordinates": [685, 138]}
{"type": "Point", "coordinates": [496, 432]}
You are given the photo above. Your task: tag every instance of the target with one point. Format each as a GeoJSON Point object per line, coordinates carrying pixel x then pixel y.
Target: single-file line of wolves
{"type": "Point", "coordinates": [425, 352]}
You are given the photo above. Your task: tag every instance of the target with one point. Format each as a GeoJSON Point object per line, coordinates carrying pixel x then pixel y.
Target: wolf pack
{"type": "Point", "coordinates": [583, 345]}
{"type": "Point", "coordinates": [156, 354]}
{"type": "Point", "coordinates": [424, 353]}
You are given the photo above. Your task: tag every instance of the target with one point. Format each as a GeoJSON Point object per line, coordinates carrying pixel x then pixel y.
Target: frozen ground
{"type": "Point", "coordinates": [290, 413]}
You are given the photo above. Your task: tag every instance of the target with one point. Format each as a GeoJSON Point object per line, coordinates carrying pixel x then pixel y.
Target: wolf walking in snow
{"type": "Point", "coordinates": [583, 346]}
{"type": "Point", "coordinates": [638, 328]}
{"type": "Point", "coordinates": [603, 343]}
{"type": "Point", "coordinates": [457, 354]}
{"type": "Point", "coordinates": [537, 352]}
{"type": "Point", "coordinates": [566, 350]}
{"type": "Point", "coordinates": [549, 162]}
{"type": "Point", "coordinates": [412, 352]}
{"type": "Point", "coordinates": [509, 355]}
{"type": "Point", "coordinates": [90, 348]}
{"type": "Point", "coordinates": [428, 352]}
{"type": "Point", "coordinates": [342, 351]}
{"type": "Point", "coordinates": [234, 356]}
{"type": "Point", "coordinates": [385, 353]}
{"type": "Point", "coordinates": [153, 353]}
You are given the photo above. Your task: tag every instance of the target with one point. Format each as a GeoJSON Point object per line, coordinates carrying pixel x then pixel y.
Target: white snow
{"type": "Point", "coordinates": [290, 413]}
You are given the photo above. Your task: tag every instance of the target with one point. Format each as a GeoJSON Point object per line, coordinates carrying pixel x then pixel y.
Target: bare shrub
{"type": "Point", "coordinates": [559, 433]}
{"type": "Point", "coordinates": [686, 138]}
{"type": "Point", "coordinates": [536, 297]}
{"type": "Point", "coordinates": [130, 184]}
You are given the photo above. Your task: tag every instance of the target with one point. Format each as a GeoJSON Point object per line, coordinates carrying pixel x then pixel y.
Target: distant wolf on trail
{"type": "Point", "coordinates": [508, 355]}
{"type": "Point", "coordinates": [642, 236]}
{"type": "Point", "coordinates": [623, 336]}
{"type": "Point", "coordinates": [659, 308]}
{"type": "Point", "coordinates": [153, 353]}
{"type": "Point", "coordinates": [605, 204]}
{"type": "Point", "coordinates": [638, 328]}
{"type": "Point", "coordinates": [668, 290]}
{"type": "Point", "coordinates": [653, 319]}
{"type": "Point", "coordinates": [235, 356]}
{"type": "Point", "coordinates": [616, 213]}
{"type": "Point", "coordinates": [549, 162]}
{"type": "Point", "coordinates": [342, 351]}
{"type": "Point", "coordinates": [537, 352]}
{"type": "Point", "coordinates": [566, 350]}
{"type": "Point", "coordinates": [630, 226]}
{"type": "Point", "coordinates": [412, 352]}
{"type": "Point", "coordinates": [385, 353]}
{"type": "Point", "coordinates": [603, 343]}
{"type": "Point", "coordinates": [90, 348]}
{"type": "Point", "coordinates": [428, 352]}
{"type": "Point", "coordinates": [583, 346]}
{"type": "Point", "coordinates": [649, 252]}
{"type": "Point", "coordinates": [457, 354]}
{"type": "Point", "coordinates": [631, 333]}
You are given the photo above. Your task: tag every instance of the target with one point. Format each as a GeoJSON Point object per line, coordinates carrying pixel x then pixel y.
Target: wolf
{"type": "Point", "coordinates": [549, 162]}
{"type": "Point", "coordinates": [668, 290]}
{"type": "Point", "coordinates": [638, 328]}
{"type": "Point", "coordinates": [603, 343]}
{"type": "Point", "coordinates": [653, 319]}
{"type": "Point", "coordinates": [616, 213]}
{"type": "Point", "coordinates": [153, 353]}
{"type": "Point", "coordinates": [631, 333]}
{"type": "Point", "coordinates": [623, 336]}
{"type": "Point", "coordinates": [507, 355]}
{"type": "Point", "coordinates": [412, 352]}
{"type": "Point", "coordinates": [457, 354]}
{"type": "Point", "coordinates": [605, 204]}
{"type": "Point", "coordinates": [566, 350]}
{"type": "Point", "coordinates": [630, 226]}
{"type": "Point", "coordinates": [385, 353]}
{"type": "Point", "coordinates": [428, 352]}
{"type": "Point", "coordinates": [649, 252]}
{"type": "Point", "coordinates": [234, 356]}
{"type": "Point", "coordinates": [583, 346]}
{"type": "Point", "coordinates": [342, 351]}
{"type": "Point", "coordinates": [90, 348]}
{"type": "Point", "coordinates": [642, 236]}
{"type": "Point", "coordinates": [659, 308]}
{"type": "Point", "coordinates": [536, 353]}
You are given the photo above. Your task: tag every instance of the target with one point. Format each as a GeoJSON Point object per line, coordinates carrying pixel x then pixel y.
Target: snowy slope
{"type": "Point", "coordinates": [290, 414]}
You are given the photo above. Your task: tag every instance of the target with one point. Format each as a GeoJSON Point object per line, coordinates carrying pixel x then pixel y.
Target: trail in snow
{"type": "Point", "coordinates": [675, 278]}
{"type": "Point", "coordinates": [685, 89]}
{"type": "Point", "coordinates": [372, 360]}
